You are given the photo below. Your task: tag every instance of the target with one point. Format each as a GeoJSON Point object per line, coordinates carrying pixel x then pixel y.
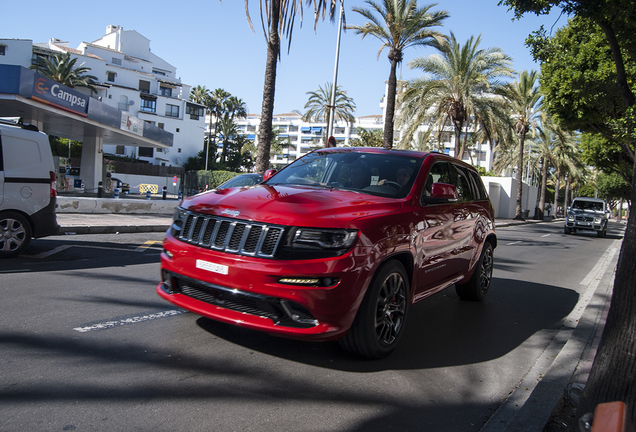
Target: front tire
{"type": "Point", "coordinates": [379, 323]}
{"type": "Point", "coordinates": [15, 234]}
{"type": "Point", "coordinates": [567, 230]}
{"type": "Point", "coordinates": [477, 287]}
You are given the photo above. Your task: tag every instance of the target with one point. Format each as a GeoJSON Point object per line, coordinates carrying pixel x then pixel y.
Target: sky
{"type": "Point", "coordinates": [211, 44]}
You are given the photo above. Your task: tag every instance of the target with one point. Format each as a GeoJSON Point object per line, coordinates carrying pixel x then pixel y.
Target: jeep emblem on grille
{"type": "Point", "coordinates": [233, 213]}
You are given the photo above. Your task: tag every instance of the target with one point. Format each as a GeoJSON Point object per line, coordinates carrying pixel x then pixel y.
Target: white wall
{"type": "Point", "coordinates": [503, 195]}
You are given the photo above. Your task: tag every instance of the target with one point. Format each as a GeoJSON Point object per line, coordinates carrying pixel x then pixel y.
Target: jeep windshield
{"type": "Point", "coordinates": [373, 173]}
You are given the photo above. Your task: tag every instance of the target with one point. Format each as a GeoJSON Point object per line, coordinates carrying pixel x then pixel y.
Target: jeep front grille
{"type": "Point", "coordinates": [230, 235]}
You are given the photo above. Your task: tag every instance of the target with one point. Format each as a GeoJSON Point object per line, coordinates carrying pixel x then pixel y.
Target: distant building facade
{"type": "Point", "coordinates": [130, 77]}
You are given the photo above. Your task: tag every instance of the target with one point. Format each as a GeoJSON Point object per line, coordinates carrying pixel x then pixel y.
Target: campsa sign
{"type": "Point", "coordinates": [54, 93]}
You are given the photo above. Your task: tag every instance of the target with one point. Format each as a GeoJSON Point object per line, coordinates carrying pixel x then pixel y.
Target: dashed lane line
{"type": "Point", "coordinates": [135, 319]}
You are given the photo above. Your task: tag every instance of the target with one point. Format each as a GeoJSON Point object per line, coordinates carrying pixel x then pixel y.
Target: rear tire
{"type": "Point", "coordinates": [15, 234]}
{"type": "Point", "coordinates": [477, 287]}
{"type": "Point", "coordinates": [379, 323]}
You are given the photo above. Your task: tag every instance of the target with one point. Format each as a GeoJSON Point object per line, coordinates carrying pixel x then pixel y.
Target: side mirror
{"type": "Point", "coordinates": [269, 174]}
{"type": "Point", "coordinates": [441, 193]}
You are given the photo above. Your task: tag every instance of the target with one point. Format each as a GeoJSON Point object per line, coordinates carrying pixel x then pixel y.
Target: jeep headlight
{"type": "Point", "coordinates": [597, 220]}
{"type": "Point", "coordinates": [571, 218]}
{"type": "Point", "coordinates": [324, 238]}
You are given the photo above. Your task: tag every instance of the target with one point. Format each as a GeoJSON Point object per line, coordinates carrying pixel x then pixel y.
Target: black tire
{"type": "Point", "coordinates": [602, 233]}
{"type": "Point", "coordinates": [567, 230]}
{"type": "Point", "coordinates": [477, 287]}
{"type": "Point", "coordinates": [379, 323]}
{"type": "Point", "coordinates": [15, 234]}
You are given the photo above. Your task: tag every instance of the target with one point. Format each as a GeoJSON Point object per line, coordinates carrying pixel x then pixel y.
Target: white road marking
{"type": "Point", "coordinates": [514, 243]}
{"type": "Point", "coordinates": [545, 235]}
{"type": "Point", "coordinates": [129, 320]}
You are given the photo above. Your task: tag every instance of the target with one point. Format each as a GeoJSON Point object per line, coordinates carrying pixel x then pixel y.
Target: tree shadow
{"type": "Point", "coordinates": [441, 331]}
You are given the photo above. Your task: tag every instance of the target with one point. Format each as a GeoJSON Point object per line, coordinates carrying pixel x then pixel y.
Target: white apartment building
{"type": "Point", "coordinates": [304, 136]}
{"type": "Point", "coordinates": [131, 78]}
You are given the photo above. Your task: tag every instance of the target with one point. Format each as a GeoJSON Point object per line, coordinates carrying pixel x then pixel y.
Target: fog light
{"type": "Point", "coordinates": [299, 281]}
{"type": "Point", "coordinates": [166, 279]}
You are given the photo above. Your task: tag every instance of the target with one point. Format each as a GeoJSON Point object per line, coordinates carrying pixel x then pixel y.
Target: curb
{"type": "Point", "coordinates": [73, 230]}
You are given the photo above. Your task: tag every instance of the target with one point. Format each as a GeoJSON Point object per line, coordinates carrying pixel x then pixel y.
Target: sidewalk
{"type": "Point", "coordinates": [110, 223]}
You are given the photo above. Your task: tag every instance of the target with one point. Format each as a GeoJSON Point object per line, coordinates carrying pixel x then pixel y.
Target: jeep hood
{"type": "Point", "coordinates": [291, 205]}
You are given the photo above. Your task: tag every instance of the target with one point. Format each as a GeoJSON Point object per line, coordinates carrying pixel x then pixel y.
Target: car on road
{"type": "Point", "coordinates": [337, 245]}
{"type": "Point", "coordinates": [28, 188]}
{"type": "Point", "coordinates": [241, 180]}
{"type": "Point", "coordinates": [587, 214]}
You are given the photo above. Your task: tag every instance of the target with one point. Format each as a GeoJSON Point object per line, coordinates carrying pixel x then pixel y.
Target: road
{"type": "Point", "coordinates": [87, 345]}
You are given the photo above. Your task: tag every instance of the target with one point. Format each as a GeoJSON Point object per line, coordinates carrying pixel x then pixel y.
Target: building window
{"type": "Point", "coordinates": [178, 150]}
{"type": "Point", "coordinates": [145, 151]}
{"type": "Point", "coordinates": [148, 105]}
{"type": "Point", "coordinates": [194, 111]}
{"type": "Point", "coordinates": [157, 72]}
{"type": "Point", "coordinates": [172, 110]}
{"type": "Point", "coordinates": [160, 125]}
{"type": "Point", "coordinates": [111, 76]}
{"type": "Point", "coordinates": [120, 150]}
{"type": "Point", "coordinates": [165, 91]}
{"type": "Point", "coordinates": [116, 61]}
{"type": "Point", "coordinates": [3, 49]}
{"type": "Point", "coordinates": [144, 86]}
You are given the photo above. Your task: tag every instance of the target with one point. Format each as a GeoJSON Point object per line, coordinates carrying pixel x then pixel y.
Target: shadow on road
{"type": "Point", "coordinates": [441, 331]}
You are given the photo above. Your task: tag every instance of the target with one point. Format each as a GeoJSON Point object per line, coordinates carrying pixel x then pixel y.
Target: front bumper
{"type": "Point", "coordinates": [585, 224]}
{"type": "Point", "coordinates": [249, 292]}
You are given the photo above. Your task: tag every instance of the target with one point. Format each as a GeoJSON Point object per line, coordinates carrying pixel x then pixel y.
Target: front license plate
{"type": "Point", "coordinates": [213, 267]}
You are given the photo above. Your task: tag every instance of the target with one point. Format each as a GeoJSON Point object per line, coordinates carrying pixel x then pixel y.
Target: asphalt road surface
{"type": "Point", "coordinates": [87, 345]}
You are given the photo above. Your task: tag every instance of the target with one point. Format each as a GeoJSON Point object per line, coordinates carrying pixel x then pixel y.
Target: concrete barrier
{"type": "Point", "coordinates": [110, 205]}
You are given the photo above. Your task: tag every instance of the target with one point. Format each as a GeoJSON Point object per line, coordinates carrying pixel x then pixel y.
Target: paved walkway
{"type": "Point", "coordinates": [108, 223]}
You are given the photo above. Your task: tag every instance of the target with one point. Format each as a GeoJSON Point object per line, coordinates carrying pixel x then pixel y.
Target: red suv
{"type": "Point", "coordinates": [337, 245]}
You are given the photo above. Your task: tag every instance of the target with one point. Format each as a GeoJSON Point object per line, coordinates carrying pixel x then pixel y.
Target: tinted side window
{"type": "Point", "coordinates": [480, 189]}
{"type": "Point", "coordinates": [462, 182]}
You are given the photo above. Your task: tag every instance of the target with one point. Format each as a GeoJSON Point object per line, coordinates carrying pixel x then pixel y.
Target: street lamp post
{"type": "Point", "coordinates": [332, 106]}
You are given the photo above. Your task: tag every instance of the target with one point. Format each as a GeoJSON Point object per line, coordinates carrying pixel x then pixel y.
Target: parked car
{"type": "Point", "coordinates": [122, 186]}
{"type": "Point", "coordinates": [248, 179]}
{"type": "Point", "coordinates": [337, 245]}
{"type": "Point", "coordinates": [587, 214]}
{"type": "Point", "coordinates": [28, 191]}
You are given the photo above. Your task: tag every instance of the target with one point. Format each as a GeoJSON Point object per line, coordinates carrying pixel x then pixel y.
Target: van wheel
{"type": "Point", "coordinates": [477, 287]}
{"type": "Point", "coordinates": [15, 234]}
{"type": "Point", "coordinates": [379, 324]}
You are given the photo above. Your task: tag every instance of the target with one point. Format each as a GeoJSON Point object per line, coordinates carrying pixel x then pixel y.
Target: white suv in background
{"type": "Point", "coordinates": [587, 214]}
{"type": "Point", "coordinates": [27, 187]}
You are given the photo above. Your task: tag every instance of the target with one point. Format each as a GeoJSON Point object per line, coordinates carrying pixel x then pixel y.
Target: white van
{"type": "Point", "coordinates": [27, 188]}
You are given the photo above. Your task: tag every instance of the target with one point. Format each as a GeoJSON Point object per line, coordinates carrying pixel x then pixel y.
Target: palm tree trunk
{"type": "Point", "coordinates": [390, 106]}
{"type": "Point", "coordinates": [267, 113]}
{"type": "Point", "coordinates": [522, 138]}
{"type": "Point", "coordinates": [566, 198]}
{"type": "Point", "coordinates": [544, 186]}
{"type": "Point", "coordinates": [556, 192]}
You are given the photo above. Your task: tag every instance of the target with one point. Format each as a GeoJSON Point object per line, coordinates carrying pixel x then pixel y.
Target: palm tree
{"type": "Point", "coordinates": [277, 19]}
{"type": "Point", "coordinates": [401, 24]}
{"type": "Point", "coordinates": [200, 95]}
{"type": "Point", "coordinates": [457, 88]}
{"type": "Point", "coordinates": [524, 101]}
{"type": "Point", "coordinates": [61, 68]}
{"type": "Point", "coordinates": [319, 105]}
{"type": "Point", "coordinates": [234, 107]}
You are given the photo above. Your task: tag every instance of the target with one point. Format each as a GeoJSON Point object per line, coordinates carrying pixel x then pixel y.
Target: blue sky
{"type": "Point", "coordinates": [211, 44]}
